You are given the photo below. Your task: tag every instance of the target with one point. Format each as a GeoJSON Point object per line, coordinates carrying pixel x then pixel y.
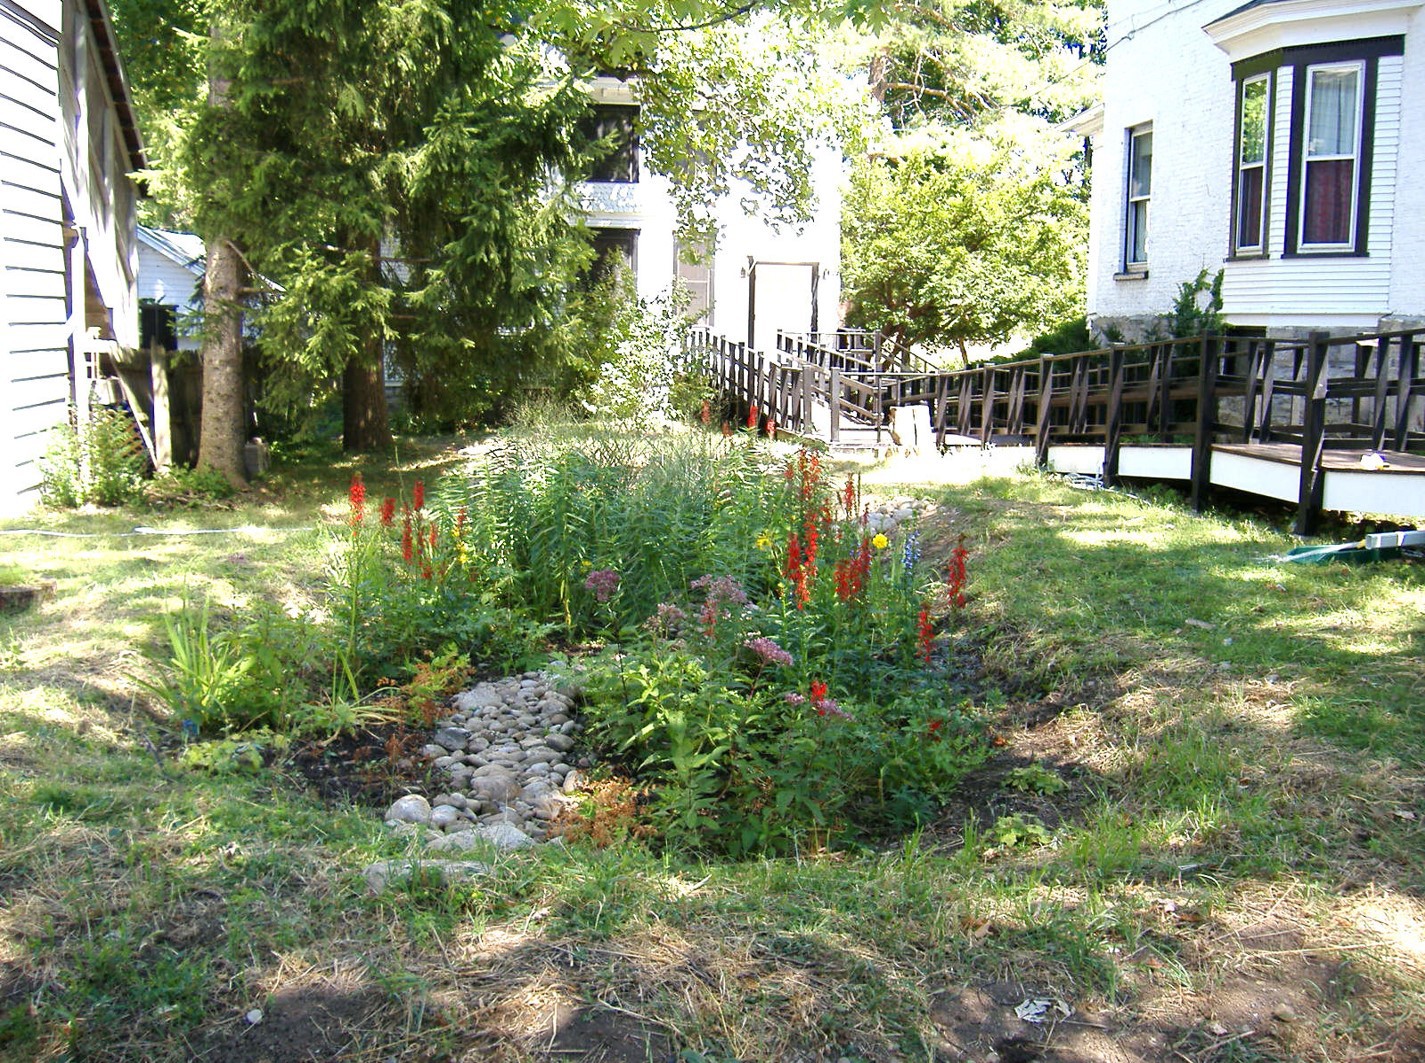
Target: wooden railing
{"type": "Point", "coordinates": [1320, 392]}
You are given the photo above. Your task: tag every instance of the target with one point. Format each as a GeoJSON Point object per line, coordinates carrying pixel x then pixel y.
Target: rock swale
{"type": "Point", "coordinates": [507, 751]}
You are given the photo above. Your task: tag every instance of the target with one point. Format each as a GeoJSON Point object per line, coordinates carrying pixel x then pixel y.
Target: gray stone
{"type": "Point", "coordinates": [561, 742]}
{"type": "Point", "coordinates": [384, 873]}
{"type": "Point", "coordinates": [506, 836]}
{"type": "Point", "coordinates": [413, 808]}
{"type": "Point", "coordinates": [457, 842]}
{"type": "Point", "coordinates": [434, 751]}
{"type": "Point", "coordinates": [452, 738]}
{"type": "Point", "coordinates": [495, 784]}
{"type": "Point", "coordinates": [443, 816]}
{"type": "Point", "coordinates": [572, 781]}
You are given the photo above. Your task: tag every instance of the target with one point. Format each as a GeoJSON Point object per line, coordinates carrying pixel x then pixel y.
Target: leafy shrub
{"type": "Point", "coordinates": [103, 464]}
{"type": "Point", "coordinates": [179, 486]}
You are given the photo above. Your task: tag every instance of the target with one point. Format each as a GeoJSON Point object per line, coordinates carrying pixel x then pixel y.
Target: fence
{"type": "Point", "coordinates": [1317, 393]}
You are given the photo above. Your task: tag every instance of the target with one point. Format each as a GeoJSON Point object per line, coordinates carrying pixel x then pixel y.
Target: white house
{"type": "Point", "coordinates": [68, 260]}
{"type": "Point", "coordinates": [1280, 141]}
{"type": "Point", "coordinates": [169, 286]}
{"type": "Point", "coordinates": [757, 280]}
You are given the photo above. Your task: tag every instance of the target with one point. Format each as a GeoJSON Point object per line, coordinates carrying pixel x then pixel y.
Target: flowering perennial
{"type": "Point", "coordinates": [955, 581]}
{"type": "Point", "coordinates": [601, 583]}
{"type": "Point", "coordinates": [910, 552]}
{"type": "Point", "coordinates": [925, 635]}
{"type": "Point", "coordinates": [721, 593]}
{"type": "Point", "coordinates": [356, 496]}
{"type": "Point", "coordinates": [769, 652]}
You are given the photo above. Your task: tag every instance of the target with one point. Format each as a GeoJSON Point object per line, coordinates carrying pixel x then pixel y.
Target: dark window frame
{"type": "Point", "coordinates": [1130, 202]}
{"type": "Point", "coordinates": [620, 120]}
{"type": "Point", "coordinates": [1368, 51]}
{"type": "Point", "coordinates": [1262, 249]}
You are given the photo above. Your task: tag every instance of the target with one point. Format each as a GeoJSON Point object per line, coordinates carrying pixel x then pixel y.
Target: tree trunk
{"type": "Point", "coordinates": [223, 432]}
{"type": "Point", "coordinates": [365, 425]}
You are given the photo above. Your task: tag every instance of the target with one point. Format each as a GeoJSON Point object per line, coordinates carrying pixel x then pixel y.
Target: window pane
{"type": "Point", "coordinates": [1333, 113]}
{"type": "Point", "coordinates": [1249, 207]}
{"type": "Point", "coordinates": [1254, 121]}
{"type": "Point", "coordinates": [1140, 173]}
{"type": "Point", "coordinates": [1138, 232]}
{"type": "Point", "coordinates": [1326, 216]}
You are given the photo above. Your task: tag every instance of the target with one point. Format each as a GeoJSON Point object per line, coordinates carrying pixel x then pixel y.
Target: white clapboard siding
{"type": "Point", "coordinates": [165, 281]}
{"type": "Point", "coordinates": [34, 384]}
{"type": "Point", "coordinates": [34, 358]}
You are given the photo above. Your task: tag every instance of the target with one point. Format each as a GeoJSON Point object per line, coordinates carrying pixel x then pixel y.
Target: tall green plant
{"type": "Point", "coordinates": [202, 678]}
{"type": "Point", "coordinates": [100, 463]}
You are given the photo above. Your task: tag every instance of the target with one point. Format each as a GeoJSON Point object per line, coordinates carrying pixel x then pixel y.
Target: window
{"type": "Point", "coordinates": [1140, 187]}
{"type": "Point", "coordinates": [1330, 157]}
{"type": "Point", "coordinates": [697, 276]}
{"type": "Point", "coordinates": [1254, 108]}
{"type": "Point", "coordinates": [615, 251]}
{"type": "Point", "coordinates": [611, 134]}
{"type": "Point", "coordinates": [1332, 109]}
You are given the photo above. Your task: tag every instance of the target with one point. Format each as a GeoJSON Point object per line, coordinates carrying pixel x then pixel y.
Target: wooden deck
{"type": "Point", "coordinates": [1284, 419]}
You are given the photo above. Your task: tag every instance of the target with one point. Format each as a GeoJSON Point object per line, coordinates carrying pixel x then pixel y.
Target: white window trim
{"type": "Point", "coordinates": [1349, 244]}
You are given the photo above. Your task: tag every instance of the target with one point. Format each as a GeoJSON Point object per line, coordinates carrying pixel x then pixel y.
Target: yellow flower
{"type": "Point", "coordinates": [880, 542]}
{"type": "Point", "coordinates": [586, 564]}
{"type": "Point", "coordinates": [764, 542]}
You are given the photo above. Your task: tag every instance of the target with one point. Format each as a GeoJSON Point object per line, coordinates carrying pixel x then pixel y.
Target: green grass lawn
{"type": "Point", "coordinates": [1220, 855]}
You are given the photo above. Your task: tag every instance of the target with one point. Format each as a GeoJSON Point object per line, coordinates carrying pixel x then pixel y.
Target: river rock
{"type": "Point", "coordinates": [413, 808]}
{"type": "Point", "coordinates": [384, 873]}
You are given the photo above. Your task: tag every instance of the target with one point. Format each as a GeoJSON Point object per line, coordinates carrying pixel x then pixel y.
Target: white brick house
{"type": "Point", "coordinates": [1280, 141]}
{"type": "Point", "coordinates": [757, 278]}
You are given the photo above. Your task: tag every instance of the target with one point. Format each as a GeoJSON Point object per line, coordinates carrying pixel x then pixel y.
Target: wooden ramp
{"type": "Point", "coordinates": [1334, 423]}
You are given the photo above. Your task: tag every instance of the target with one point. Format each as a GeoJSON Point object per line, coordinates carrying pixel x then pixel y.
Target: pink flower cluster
{"type": "Point", "coordinates": [769, 652]}
{"type": "Point", "coordinates": [722, 593]}
{"type": "Point", "coordinates": [601, 583]}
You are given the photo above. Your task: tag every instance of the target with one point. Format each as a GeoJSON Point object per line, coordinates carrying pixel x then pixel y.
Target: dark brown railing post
{"type": "Point", "coordinates": [1042, 418]}
{"type": "Point", "coordinates": [1313, 436]}
{"type": "Point", "coordinates": [1113, 422]}
{"type": "Point", "coordinates": [1406, 372]}
{"type": "Point", "coordinates": [1206, 421]}
{"type": "Point", "coordinates": [987, 404]}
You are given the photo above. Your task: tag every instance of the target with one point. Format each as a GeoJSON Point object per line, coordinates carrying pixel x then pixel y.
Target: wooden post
{"type": "Point", "coordinates": [1206, 421]}
{"type": "Point", "coordinates": [941, 406]}
{"type": "Point", "coordinates": [1113, 421]}
{"type": "Point", "coordinates": [162, 416]}
{"type": "Point", "coordinates": [834, 401]}
{"type": "Point", "coordinates": [1269, 380]}
{"type": "Point", "coordinates": [1041, 419]}
{"type": "Point", "coordinates": [1165, 402]}
{"type": "Point", "coordinates": [987, 404]}
{"type": "Point", "coordinates": [1313, 436]}
{"type": "Point", "coordinates": [1382, 391]}
{"type": "Point", "coordinates": [1406, 372]}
